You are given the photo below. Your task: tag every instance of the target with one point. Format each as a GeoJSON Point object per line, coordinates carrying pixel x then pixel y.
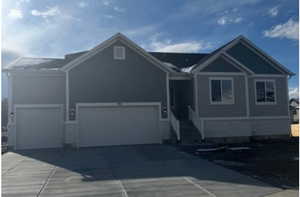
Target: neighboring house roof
{"type": "Point", "coordinates": [294, 100]}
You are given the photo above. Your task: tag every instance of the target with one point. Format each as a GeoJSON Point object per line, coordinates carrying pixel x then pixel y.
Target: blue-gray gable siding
{"type": "Point", "coordinates": [103, 79]}
{"type": "Point", "coordinates": [220, 65]}
{"type": "Point", "coordinates": [251, 60]}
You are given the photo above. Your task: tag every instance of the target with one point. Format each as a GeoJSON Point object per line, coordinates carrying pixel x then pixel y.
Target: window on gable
{"type": "Point", "coordinates": [119, 53]}
{"type": "Point", "coordinates": [221, 91]}
{"type": "Point", "coordinates": [265, 92]}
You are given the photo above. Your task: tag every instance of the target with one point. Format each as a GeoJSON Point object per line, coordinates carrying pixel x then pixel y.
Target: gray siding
{"type": "Point", "coordinates": [219, 110]}
{"type": "Point", "coordinates": [220, 65]}
{"type": "Point", "coordinates": [251, 60]}
{"type": "Point", "coordinates": [227, 128]}
{"type": "Point", "coordinates": [42, 88]}
{"type": "Point", "coordinates": [103, 79]}
{"type": "Point", "coordinates": [278, 109]}
{"type": "Point", "coordinates": [271, 127]}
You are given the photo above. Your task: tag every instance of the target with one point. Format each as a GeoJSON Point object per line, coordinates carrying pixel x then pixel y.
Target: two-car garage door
{"type": "Point", "coordinates": [118, 125]}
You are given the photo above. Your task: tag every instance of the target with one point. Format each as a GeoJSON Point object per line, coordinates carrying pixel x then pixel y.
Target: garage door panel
{"type": "Point", "coordinates": [98, 126]}
{"type": "Point", "coordinates": [141, 123]}
{"type": "Point", "coordinates": [102, 126]}
{"type": "Point", "coordinates": [39, 128]}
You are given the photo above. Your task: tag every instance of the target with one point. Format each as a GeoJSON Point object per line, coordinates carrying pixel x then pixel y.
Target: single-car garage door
{"type": "Point", "coordinates": [118, 125]}
{"type": "Point", "coordinates": [39, 126]}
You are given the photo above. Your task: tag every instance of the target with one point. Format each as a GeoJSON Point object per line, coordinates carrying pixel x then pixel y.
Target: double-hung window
{"type": "Point", "coordinates": [221, 91]}
{"type": "Point", "coordinates": [265, 92]}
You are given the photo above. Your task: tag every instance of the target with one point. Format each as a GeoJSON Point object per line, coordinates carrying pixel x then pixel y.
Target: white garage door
{"type": "Point", "coordinates": [102, 126]}
{"type": "Point", "coordinates": [39, 126]}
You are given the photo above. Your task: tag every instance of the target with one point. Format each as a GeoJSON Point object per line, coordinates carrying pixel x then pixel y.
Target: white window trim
{"type": "Point", "coordinates": [221, 102]}
{"type": "Point", "coordinates": [275, 93]}
{"type": "Point", "coordinates": [123, 56]}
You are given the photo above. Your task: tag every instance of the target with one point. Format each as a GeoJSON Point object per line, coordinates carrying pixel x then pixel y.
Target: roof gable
{"type": "Point", "coordinates": [221, 65]}
{"type": "Point", "coordinates": [250, 59]}
{"type": "Point", "coordinates": [83, 57]}
{"type": "Point", "coordinates": [246, 54]}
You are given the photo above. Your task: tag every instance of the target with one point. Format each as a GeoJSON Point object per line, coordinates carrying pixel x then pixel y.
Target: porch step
{"type": "Point", "coordinates": [189, 133]}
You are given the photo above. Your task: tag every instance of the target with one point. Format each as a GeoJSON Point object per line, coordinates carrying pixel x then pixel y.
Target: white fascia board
{"type": "Point", "coordinates": [39, 106]}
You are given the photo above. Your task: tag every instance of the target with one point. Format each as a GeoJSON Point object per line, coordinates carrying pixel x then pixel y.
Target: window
{"type": "Point", "coordinates": [265, 92]}
{"type": "Point", "coordinates": [119, 53]}
{"type": "Point", "coordinates": [221, 91]}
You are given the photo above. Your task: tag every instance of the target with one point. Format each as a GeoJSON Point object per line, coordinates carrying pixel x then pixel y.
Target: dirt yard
{"type": "Point", "coordinates": [295, 130]}
{"type": "Point", "coordinates": [275, 163]}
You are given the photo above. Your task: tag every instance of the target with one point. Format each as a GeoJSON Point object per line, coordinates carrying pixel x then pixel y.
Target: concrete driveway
{"type": "Point", "coordinates": [144, 170]}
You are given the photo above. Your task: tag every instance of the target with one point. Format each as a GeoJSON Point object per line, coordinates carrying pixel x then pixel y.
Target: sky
{"type": "Point", "coordinates": [52, 28]}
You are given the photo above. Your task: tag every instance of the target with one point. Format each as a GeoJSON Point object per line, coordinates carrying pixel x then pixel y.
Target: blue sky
{"type": "Point", "coordinates": [52, 28]}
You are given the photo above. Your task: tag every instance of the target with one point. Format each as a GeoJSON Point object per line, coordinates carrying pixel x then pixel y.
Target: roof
{"type": "Point", "coordinates": [175, 61]}
{"type": "Point", "coordinates": [168, 61]}
{"type": "Point", "coordinates": [36, 63]}
{"type": "Point", "coordinates": [180, 60]}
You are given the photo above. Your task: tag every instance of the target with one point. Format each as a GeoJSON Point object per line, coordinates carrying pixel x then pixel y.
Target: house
{"type": "Point", "coordinates": [118, 94]}
{"type": "Point", "coordinates": [294, 110]}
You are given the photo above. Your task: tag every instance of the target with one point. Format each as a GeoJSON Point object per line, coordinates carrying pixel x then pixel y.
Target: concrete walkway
{"type": "Point", "coordinates": [130, 171]}
{"type": "Point", "coordinates": [285, 193]}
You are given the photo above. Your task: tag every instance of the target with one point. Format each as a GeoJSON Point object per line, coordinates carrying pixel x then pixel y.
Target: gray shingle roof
{"type": "Point", "coordinates": [180, 60]}
{"type": "Point", "coordinates": [36, 63]}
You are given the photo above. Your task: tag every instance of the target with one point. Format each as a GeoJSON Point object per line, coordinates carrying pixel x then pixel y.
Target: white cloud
{"type": "Point", "coordinates": [53, 11]}
{"type": "Point", "coordinates": [82, 4]}
{"type": "Point", "coordinates": [224, 20]}
{"type": "Point", "coordinates": [20, 2]}
{"type": "Point", "coordinates": [109, 3]}
{"type": "Point", "coordinates": [294, 92]}
{"type": "Point", "coordinates": [106, 2]}
{"type": "Point", "coordinates": [181, 47]}
{"type": "Point", "coordinates": [287, 30]}
{"type": "Point", "coordinates": [118, 9]}
{"type": "Point", "coordinates": [273, 11]}
{"type": "Point", "coordinates": [15, 14]}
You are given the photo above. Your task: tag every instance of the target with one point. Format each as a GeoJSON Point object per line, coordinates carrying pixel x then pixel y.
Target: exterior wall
{"type": "Point", "coordinates": [237, 109]}
{"type": "Point", "coordinates": [268, 127]}
{"type": "Point", "coordinates": [38, 87]}
{"type": "Point", "coordinates": [251, 60]}
{"type": "Point", "coordinates": [227, 128]}
{"type": "Point", "coordinates": [246, 127]}
{"type": "Point", "coordinates": [103, 79]}
{"type": "Point", "coordinates": [278, 109]}
{"type": "Point", "coordinates": [164, 127]}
